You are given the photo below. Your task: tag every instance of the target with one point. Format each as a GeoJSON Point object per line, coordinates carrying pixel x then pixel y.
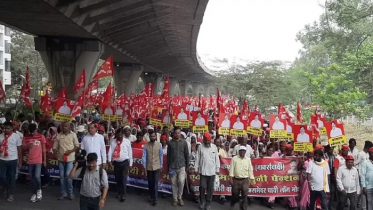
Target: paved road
{"type": "Point", "coordinates": [134, 202]}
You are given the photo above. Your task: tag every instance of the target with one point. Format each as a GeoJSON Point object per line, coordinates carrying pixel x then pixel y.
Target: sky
{"type": "Point", "coordinates": [254, 29]}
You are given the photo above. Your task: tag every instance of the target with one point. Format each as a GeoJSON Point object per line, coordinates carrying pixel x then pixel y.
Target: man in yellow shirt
{"type": "Point", "coordinates": [241, 173]}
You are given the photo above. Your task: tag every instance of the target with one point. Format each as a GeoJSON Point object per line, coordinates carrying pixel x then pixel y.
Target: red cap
{"type": "Point", "coordinates": [207, 135]}
{"type": "Point", "coordinates": [268, 130]}
{"type": "Point", "coordinates": [345, 146]}
{"type": "Point", "coordinates": [283, 144]}
{"type": "Point", "coordinates": [289, 147]}
{"type": "Point", "coordinates": [263, 139]}
{"type": "Point", "coordinates": [229, 136]}
{"type": "Point", "coordinates": [164, 137]}
{"type": "Point", "coordinates": [101, 128]}
{"type": "Point", "coordinates": [255, 137]}
{"type": "Point", "coordinates": [371, 149]}
{"type": "Point", "coordinates": [349, 157]}
{"type": "Point", "coordinates": [319, 146]}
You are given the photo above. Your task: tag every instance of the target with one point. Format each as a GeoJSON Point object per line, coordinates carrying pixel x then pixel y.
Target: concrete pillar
{"type": "Point", "coordinates": [173, 83]}
{"type": "Point", "coordinates": [155, 79]}
{"type": "Point", "coordinates": [126, 77]}
{"type": "Point", "coordinates": [65, 58]}
{"type": "Point", "coordinates": [184, 86]}
{"type": "Point", "coordinates": [198, 89]}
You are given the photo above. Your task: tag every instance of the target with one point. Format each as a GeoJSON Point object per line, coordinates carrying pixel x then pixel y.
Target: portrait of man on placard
{"type": "Point", "coordinates": [277, 123]}
{"type": "Point", "coordinates": [108, 110]}
{"type": "Point", "coordinates": [119, 110]}
{"type": "Point", "coordinates": [182, 115]}
{"type": "Point", "coordinates": [225, 123]}
{"type": "Point", "coordinates": [238, 124]}
{"type": "Point", "coordinates": [199, 119]}
{"type": "Point", "coordinates": [255, 120]}
{"type": "Point", "coordinates": [64, 109]}
{"type": "Point", "coordinates": [166, 116]}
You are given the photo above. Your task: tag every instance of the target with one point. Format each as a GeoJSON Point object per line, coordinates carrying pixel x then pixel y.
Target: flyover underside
{"type": "Point", "coordinates": [159, 34]}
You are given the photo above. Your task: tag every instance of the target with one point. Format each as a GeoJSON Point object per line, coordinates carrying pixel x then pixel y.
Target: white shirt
{"type": "Point", "coordinates": [200, 121]}
{"type": "Point", "coordinates": [20, 134]}
{"type": "Point", "coordinates": [317, 176]}
{"type": "Point", "coordinates": [226, 124]}
{"type": "Point", "coordinates": [125, 151]}
{"type": "Point", "coordinates": [119, 112]}
{"type": "Point", "coordinates": [131, 138]}
{"type": "Point", "coordinates": [320, 123]}
{"type": "Point", "coordinates": [256, 124]}
{"type": "Point", "coordinates": [278, 126]}
{"type": "Point", "coordinates": [348, 179]}
{"type": "Point", "coordinates": [108, 111]}
{"type": "Point", "coordinates": [207, 160]}
{"type": "Point", "coordinates": [95, 144]}
{"type": "Point", "coordinates": [64, 110]}
{"type": "Point", "coordinates": [249, 150]}
{"type": "Point", "coordinates": [182, 116]}
{"type": "Point", "coordinates": [361, 157]}
{"type": "Point", "coordinates": [14, 141]}
{"type": "Point", "coordinates": [289, 129]}
{"type": "Point", "coordinates": [167, 119]}
{"type": "Point", "coordinates": [304, 138]}
{"type": "Point", "coordinates": [335, 132]}
{"type": "Point", "coordinates": [238, 125]}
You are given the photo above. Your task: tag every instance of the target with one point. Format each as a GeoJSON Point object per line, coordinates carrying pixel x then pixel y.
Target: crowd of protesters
{"type": "Point", "coordinates": [329, 177]}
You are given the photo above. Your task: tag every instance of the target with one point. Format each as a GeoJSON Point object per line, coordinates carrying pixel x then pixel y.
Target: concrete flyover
{"type": "Point", "coordinates": [158, 35]}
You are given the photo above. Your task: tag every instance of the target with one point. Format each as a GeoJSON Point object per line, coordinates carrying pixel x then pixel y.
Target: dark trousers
{"type": "Point", "coordinates": [121, 173]}
{"type": "Point", "coordinates": [87, 203]}
{"type": "Point", "coordinates": [343, 200]}
{"type": "Point", "coordinates": [153, 178]}
{"type": "Point", "coordinates": [206, 184]}
{"type": "Point", "coordinates": [8, 170]}
{"type": "Point", "coordinates": [46, 178]}
{"type": "Point", "coordinates": [323, 197]}
{"type": "Point", "coordinates": [240, 186]}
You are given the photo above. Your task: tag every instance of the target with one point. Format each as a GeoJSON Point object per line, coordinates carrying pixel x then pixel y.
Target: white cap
{"type": "Point", "coordinates": [183, 134]}
{"type": "Point", "coordinates": [242, 148]}
{"type": "Point", "coordinates": [150, 127]}
{"type": "Point", "coordinates": [127, 126]}
{"type": "Point", "coordinates": [80, 128]}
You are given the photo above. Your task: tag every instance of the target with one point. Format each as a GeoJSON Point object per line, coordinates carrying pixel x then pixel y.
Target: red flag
{"type": "Point", "coordinates": [78, 106]}
{"type": "Point", "coordinates": [245, 108]}
{"type": "Point", "coordinates": [2, 92]}
{"type": "Point", "coordinates": [166, 89]}
{"type": "Point", "coordinates": [93, 85]}
{"type": "Point", "coordinates": [106, 69]}
{"type": "Point", "coordinates": [299, 113]}
{"type": "Point", "coordinates": [281, 109]}
{"type": "Point", "coordinates": [80, 83]}
{"type": "Point", "coordinates": [46, 103]}
{"type": "Point", "coordinates": [63, 93]}
{"type": "Point", "coordinates": [108, 94]}
{"type": "Point", "coordinates": [148, 91]}
{"type": "Point", "coordinates": [26, 90]}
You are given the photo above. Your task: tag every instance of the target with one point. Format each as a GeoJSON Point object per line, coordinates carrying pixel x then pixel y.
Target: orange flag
{"type": "Point", "coordinates": [106, 69]}
{"type": "Point", "coordinates": [80, 83]}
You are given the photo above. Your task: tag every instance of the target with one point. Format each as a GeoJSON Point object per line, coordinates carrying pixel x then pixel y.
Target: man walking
{"type": "Point", "coordinates": [348, 184]}
{"type": "Point", "coordinates": [207, 163]}
{"type": "Point", "coordinates": [10, 153]}
{"type": "Point", "coordinates": [152, 160]}
{"type": "Point", "coordinates": [34, 143]}
{"type": "Point", "coordinates": [177, 164]}
{"type": "Point", "coordinates": [120, 155]}
{"type": "Point", "coordinates": [362, 156]}
{"type": "Point", "coordinates": [241, 174]}
{"type": "Point", "coordinates": [317, 175]}
{"type": "Point", "coordinates": [95, 143]}
{"type": "Point", "coordinates": [367, 179]}
{"type": "Point", "coordinates": [64, 148]}
{"type": "Point", "coordinates": [94, 179]}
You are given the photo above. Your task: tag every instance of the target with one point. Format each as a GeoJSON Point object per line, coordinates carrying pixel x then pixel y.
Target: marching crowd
{"type": "Point", "coordinates": [328, 175]}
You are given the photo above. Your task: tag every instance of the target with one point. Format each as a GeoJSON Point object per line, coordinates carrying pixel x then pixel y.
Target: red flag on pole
{"type": "Point", "coordinates": [78, 106]}
{"type": "Point", "coordinates": [26, 90]}
{"type": "Point", "coordinates": [106, 69]}
{"type": "Point", "coordinates": [299, 113]}
{"type": "Point", "coordinates": [166, 89]}
{"type": "Point", "coordinates": [107, 94]}
{"type": "Point", "coordinates": [80, 83]}
{"type": "Point", "coordinates": [46, 103]}
{"type": "Point", "coordinates": [63, 93]}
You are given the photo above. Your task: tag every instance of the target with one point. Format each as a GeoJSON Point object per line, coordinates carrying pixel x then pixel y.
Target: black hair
{"type": "Point", "coordinates": [352, 140]}
{"type": "Point", "coordinates": [293, 160]}
{"type": "Point", "coordinates": [32, 128]}
{"type": "Point", "coordinates": [10, 124]}
{"type": "Point", "coordinates": [92, 157]}
{"type": "Point", "coordinates": [302, 126]}
{"type": "Point", "coordinates": [319, 152]}
{"type": "Point", "coordinates": [177, 128]}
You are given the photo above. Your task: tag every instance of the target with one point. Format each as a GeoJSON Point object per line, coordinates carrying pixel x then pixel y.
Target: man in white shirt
{"type": "Point", "coordinates": [119, 111]}
{"type": "Point", "coordinates": [318, 173]}
{"type": "Point", "coordinates": [207, 164]}
{"type": "Point", "coordinates": [10, 153]}
{"type": "Point", "coordinates": [226, 122]}
{"type": "Point", "coordinates": [200, 121]}
{"type": "Point", "coordinates": [335, 131]}
{"type": "Point", "coordinates": [278, 125]}
{"type": "Point", "coordinates": [243, 142]}
{"type": "Point", "coordinates": [94, 142]}
{"type": "Point", "coordinates": [108, 110]}
{"type": "Point", "coordinates": [167, 118]}
{"type": "Point", "coordinates": [303, 137]}
{"type": "Point", "coordinates": [320, 124]}
{"type": "Point", "coordinates": [348, 184]}
{"type": "Point", "coordinates": [182, 115]}
{"type": "Point", "coordinates": [352, 148]}
{"type": "Point", "coordinates": [64, 109]}
{"type": "Point", "coordinates": [120, 155]}
{"type": "Point", "coordinates": [256, 123]}
{"type": "Point", "coordinates": [238, 124]}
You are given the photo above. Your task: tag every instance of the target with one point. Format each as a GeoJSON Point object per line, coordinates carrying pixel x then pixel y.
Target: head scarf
{"type": "Point", "coordinates": [49, 136]}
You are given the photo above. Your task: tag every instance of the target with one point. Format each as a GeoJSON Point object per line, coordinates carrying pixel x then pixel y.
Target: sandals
{"type": "Point", "coordinates": [10, 198]}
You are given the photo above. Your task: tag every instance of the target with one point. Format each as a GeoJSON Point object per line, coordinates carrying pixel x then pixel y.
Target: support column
{"type": "Point", "coordinates": [155, 79]}
{"type": "Point", "coordinates": [173, 83]}
{"type": "Point", "coordinates": [198, 89]}
{"type": "Point", "coordinates": [126, 77]}
{"type": "Point", "coordinates": [184, 86]}
{"type": "Point", "coordinates": [65, 59]}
